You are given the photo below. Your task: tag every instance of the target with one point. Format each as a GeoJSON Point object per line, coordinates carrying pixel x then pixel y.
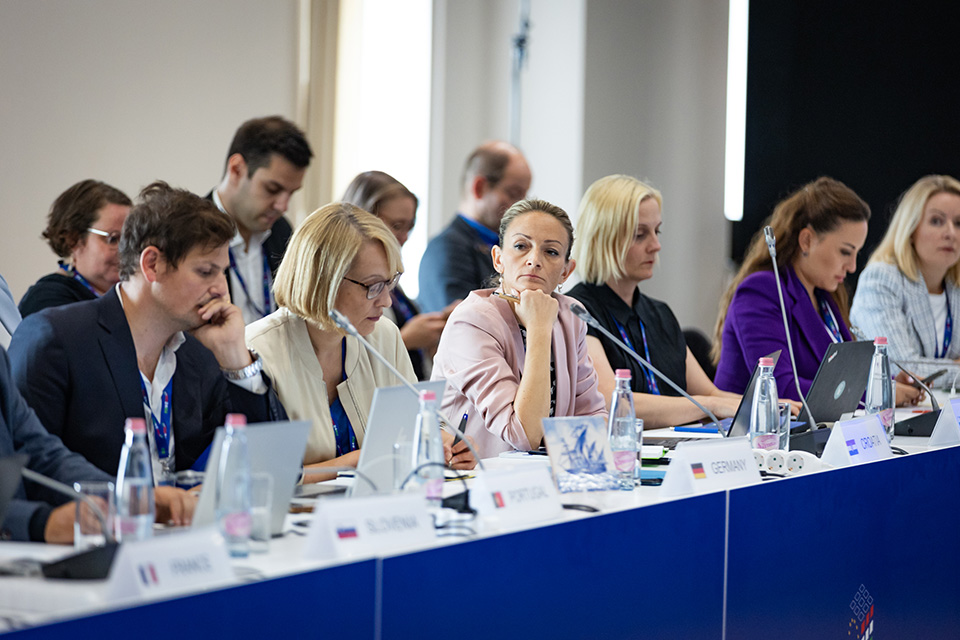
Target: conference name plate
{"type": "Point", "coordinates": [856, 441]}
{"type": "Point", "coordinates": [511, 497]}
{"type": "Point", "coordinates": [709, 465]}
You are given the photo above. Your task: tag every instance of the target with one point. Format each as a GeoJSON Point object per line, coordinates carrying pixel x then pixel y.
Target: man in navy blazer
{"type": "Point", "coordinates": [458, 260]}
{"type": "Point", "coordinates": [265, 165]}
{"type": "Point", "coordinates": [165, 344]}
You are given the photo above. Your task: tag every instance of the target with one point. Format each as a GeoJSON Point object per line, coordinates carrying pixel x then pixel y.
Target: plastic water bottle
{"type": "Point", "coordinates": [233, 488]}
{"type": "Point", "coordinates": [622, 430]}
{"type": "Point", "coordinates": [428, 448]}
{"type": "Point", "coordinates": [880, 387]}
{"type": "Point", "coordinates": [134, 488]}
{"type": "Point", "coordinates": [764, 414]}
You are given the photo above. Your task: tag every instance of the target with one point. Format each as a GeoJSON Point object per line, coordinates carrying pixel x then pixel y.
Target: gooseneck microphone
{"type": "Point", "coordinates": [341, 321]}
{"type": "Point", "coordinates": [73, 494]}
{"type": "Point", "coordinates": [584, 315]}
{"type": "Point", "coordinates": [772, 248]}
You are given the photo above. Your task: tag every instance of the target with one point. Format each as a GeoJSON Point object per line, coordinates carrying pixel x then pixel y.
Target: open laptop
{"type": "Point", "coordinates": [840, 381]}
{"type": "Point", "coordinates": [393, 409]}
{"type": "Point", "coordinates": [275, 448]}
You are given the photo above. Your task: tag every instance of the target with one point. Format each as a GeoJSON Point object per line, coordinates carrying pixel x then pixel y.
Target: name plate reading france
{"type": "Point", "coordinates": [516, 496]}
{"type": "Point", "coordinates": [170, 565]}
{"type": "Point", "coordinates": [709, 465]}
{"type": "Point", "coordinates": [947, 430]}
{"type": "Point", "coordinates": [369, 526]}
{"type": "Point", "coordinates": [854, 441]}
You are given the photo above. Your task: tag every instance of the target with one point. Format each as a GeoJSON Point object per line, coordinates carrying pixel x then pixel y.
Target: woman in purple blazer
{"type": "Point", "coordinates": [819, 229]}
{"type": "Point", "coordinates": [517, 354]}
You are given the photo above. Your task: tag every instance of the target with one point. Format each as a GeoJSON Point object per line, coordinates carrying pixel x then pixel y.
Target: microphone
{"type": "Point", "coordinates": [73, 494]}
{"type": "Point", "coordinates": [772, 248]}
{"type": "Point", "coordinates": [584, 315]}
{"type": "Point", "coordinates": [341, 321]}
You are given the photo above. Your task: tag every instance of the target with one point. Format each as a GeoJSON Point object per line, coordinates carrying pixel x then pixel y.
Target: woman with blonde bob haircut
{"type": "Point", "coordinates": [617, 248]}
{"type": "Point", "coordinates": [909, 291]}
{"type": "Point", "coordinates": [340, 258]}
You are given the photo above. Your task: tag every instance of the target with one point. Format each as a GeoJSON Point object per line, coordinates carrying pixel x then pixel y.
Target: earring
{"type": "Point", "coordinates": [805, 254]}
{"type": "Point", "coordinates": [560, 287]}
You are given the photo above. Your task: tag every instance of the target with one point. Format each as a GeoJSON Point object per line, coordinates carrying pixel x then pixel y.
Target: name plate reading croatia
{"type": "Point", "coordinates": [855, 441]}
{"type": "Point", "coordinates": [172, 564]}
{"type": "Point", "coordinates": [369, 526]}
{"type": "Point", "coordinates": [516, 496]}
{"type": "Point", "coordinates": [946, 432]}
{"type": "Point", "coordinates": [709, 465]}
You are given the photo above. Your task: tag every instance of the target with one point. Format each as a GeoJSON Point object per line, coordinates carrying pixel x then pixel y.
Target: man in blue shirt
{"type": "Point", "coordinates": [458, 260]}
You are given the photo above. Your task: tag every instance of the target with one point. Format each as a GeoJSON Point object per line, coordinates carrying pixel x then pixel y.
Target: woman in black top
{"type": "Point", "coordinates": [83, 229]}
{"type": "Point", "coordinates": [617, 245]}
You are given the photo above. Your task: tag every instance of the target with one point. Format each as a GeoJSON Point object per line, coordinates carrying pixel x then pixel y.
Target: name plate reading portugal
{"type": "Point", "coordinates": [947, 430]}
{"type": "Point", "coordinates": [854, 441]}
{"type": "Point", "coordinates": [368, 526]}
{"type": "Point", "coordinates": [709, 465]}
{"type": "Point", "coordinates": [516, 496]}
{"type": "Point", "coordinates": [171, 564]}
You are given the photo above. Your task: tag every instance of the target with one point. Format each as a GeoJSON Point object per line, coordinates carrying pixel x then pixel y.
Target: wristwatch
{"type": "Point", "coordinates": [247, 372]}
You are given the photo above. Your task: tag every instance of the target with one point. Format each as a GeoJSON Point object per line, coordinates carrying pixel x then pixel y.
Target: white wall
{"type": "Point", "coordinates": [127, 91]}
{"type": "Point", "coordinates": [611, 87]}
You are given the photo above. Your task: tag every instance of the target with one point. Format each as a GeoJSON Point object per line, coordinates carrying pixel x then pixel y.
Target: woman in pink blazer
{"type": "Point", "coordinates": [516, 354]}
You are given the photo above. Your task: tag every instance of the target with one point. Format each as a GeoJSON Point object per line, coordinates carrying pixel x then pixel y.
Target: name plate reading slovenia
{"type": "Point", "coordinates": [947, 430]}
{"type": "Point", "coordinates": [709, 465]}
{"type": "Point", "coordinates": [516, 496]}
{"type": "Point", "coordinates": [854, 441]}
{"type": "Point", "coordinates": [173, 564]}
{"type": "Point", "coordinates": [368, 526]}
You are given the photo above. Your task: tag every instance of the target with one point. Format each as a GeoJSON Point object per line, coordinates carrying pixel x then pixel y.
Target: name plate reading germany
{"type": "Point", "coordinates": [709, 465]}
{"type": "Point", "coordinates": [516, 496]}
{"type": "Point", "coordinates": [369, 526]}
{"type": "Point", "coordinates": [947, 430]}
{"type": "Point", "coordinates": [172, 564]}
{"type": "Point", "coordinates": [854, 441]}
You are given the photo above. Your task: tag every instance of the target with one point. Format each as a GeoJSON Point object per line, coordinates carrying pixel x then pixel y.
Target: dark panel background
{"type": "Point", "coordinates": [863, 92]}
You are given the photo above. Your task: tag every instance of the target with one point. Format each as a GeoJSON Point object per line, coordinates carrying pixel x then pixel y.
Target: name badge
{"type": "Point", "coordinates": [947, 430]}
{"type": "Point", "coordinates": [516, 496]}
{"type": "Point", "coordinates": [709, 465]}
{"type": "Point", "coordinates": [855, 441]}
{"type": "Point", "coordinates": [171, 564]}
{"type": "Point", "coordinates": [368, 526]}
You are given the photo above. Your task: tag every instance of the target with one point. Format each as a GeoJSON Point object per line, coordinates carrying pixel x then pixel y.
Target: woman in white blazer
{"type": "Point", "coordinates": [910, 290]}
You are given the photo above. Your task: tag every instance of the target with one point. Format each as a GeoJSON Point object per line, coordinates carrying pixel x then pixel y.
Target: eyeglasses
{"type": "Point", "coordinates": [112, 239]}
{"type": "Point", "coordinates": [375, 289]}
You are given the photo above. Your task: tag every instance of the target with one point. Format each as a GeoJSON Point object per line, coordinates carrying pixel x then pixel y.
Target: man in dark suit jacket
{"type": "Point", "coordinates": [88, 366]}
{"type": "Point", "coordinates": [458, 260]}
{"type": "Point", "coordinates": [265, 166]}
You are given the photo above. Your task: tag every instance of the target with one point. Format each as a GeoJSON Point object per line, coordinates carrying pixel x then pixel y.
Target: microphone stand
{"type": "Point", "coordinates": [72, 493]}
{"type": "Point", "coordinates": [341, 321]}
{"type": "Point", "coordinates": [584, 315]}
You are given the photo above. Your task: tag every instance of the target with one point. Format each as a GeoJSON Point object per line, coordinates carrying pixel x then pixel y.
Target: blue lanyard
{"type": "Point", "coordinates": [401, 305]}
{"type": "Point", "coordinates": [829, 320]}
{"type": "Point", "coordinates": [267, 304]}
{"type": "Point", "coordinates": [652, 386]}
{"type": "Point", "coordinates": [346, 441]}
{"type": "Point", "coordinates": [72, 272]}
{"type": "Point", "coordinates": [161, 427]}
{"type": "Point", "coordinates": [947, 328]}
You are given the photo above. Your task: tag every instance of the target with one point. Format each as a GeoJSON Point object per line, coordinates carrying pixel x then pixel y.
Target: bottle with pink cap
{"type": "Point", "coordinates": [134, 488]}
{"type": "Point", "coordinates": [764, 415]}
{"type": "Point", "coordinates": [428, 456]}
{"type": "Point", "coordinates": [879, 398]}
{"type": "Point", "coordinates": [622, 431]}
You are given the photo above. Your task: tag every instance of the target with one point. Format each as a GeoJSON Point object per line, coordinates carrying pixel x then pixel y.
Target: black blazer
{"type": "Point", "coordinates": [21, 432]}
{"type": "Point", "coordinates": [275, 245]}
{"type": "Point", "coordinates": [455, 263]}
{"type": "Point", "coordinates": [76, 366]}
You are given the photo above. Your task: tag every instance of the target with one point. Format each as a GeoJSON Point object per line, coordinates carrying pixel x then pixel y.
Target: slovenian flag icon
{"type": "Point", "coordinates": [346, 532]}
{"type": "Point", "coordinates": [698, 471]}
{"type": "Point", "coordinates": [852, 447]}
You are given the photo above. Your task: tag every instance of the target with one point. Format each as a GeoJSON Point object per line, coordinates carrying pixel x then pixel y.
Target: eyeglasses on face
{"type": "Point", "coordinates": [375, 289]}
{"type": "Point", "coordinates": [112, 239]}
